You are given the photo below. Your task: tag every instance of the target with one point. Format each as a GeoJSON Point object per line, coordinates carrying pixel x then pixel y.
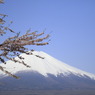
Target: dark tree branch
{"type": "Point", "coordinates": [14, 46]}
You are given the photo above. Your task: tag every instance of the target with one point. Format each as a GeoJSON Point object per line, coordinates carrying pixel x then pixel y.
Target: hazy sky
{"type": "Point", "coordinates": [71, 24]}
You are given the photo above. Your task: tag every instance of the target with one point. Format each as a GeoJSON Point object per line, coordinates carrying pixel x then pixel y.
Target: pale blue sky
{"type": "Point", "coordinates": [72, 23]}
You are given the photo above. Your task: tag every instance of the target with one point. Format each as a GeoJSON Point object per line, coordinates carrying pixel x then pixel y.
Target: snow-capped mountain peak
{"type": "Point", "coordinates": [45, 65]}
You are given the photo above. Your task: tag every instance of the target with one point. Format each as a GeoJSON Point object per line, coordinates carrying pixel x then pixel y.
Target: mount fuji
{"type": "Point", "coordinates": [46, 73]}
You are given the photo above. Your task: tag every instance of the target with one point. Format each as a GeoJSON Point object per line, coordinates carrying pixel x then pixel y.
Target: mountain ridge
{"type": "Point", "coordinates": [45, 65]}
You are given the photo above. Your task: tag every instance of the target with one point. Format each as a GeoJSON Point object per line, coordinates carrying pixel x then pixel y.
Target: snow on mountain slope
{"type": "Point", "coordinates": [48, 65]}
